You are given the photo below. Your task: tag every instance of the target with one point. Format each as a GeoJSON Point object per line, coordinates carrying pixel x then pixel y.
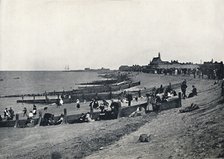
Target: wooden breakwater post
{"type": "Point", "coordinates": [119, 110]}
{"type": "Point", "coordinates": [17, 121]}
{"type": "Point", "coordinates": [46, 98]}
{"type": "Point", "coordinates": [110, 95]}
{"type": "Point", "coordinates": [179, 96]}
{"type": "Point", "coordinates": [40, 118]}
{"type": "Point", "coordinates": [65, 116]}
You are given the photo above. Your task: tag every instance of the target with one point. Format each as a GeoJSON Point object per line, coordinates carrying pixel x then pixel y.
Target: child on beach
{"type": "Point", "coordinates": [60, 120]}
{"type": "Point", "coordinates": [77, 103]}
{"type": "Point", "coordinates": [24, 111]}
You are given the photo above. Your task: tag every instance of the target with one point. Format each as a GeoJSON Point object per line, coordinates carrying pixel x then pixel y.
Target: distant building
{"type": "Point", "coordinates": [87, 69]}
{"type": "Point", "coordinates": [96, 70]}
{"type": "Point", "coordinates": [124, 68]}
{"type": "Point", "coordinates": [158, 61]}
{"type": "Point", "coordinates": [159, 66]}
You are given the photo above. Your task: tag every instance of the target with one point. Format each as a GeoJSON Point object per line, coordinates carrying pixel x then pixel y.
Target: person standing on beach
{"type": "Point", "coordinates": [77, 103]}
{"type": "Point", "coordinates": [24, 111]}
{"type": "Point", "coordinates": [91, 107]}
{"type": "Point", "coordinates": [183, 88]}
{"type": "Point", "coordinates": [129, 98]}
{"type": "Point", "coordinates": [6, 113]}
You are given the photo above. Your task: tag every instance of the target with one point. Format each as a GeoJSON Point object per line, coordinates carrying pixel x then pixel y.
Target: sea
{"type": "Point", "coordinates": [32, 82]}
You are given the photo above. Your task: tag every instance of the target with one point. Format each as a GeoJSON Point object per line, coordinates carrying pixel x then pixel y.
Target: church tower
{"type": "Point", "coordinates": [159, 55]}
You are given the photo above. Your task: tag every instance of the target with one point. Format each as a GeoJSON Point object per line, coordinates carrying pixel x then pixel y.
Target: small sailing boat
{"type": "Point", "coordinates": [66, 69]}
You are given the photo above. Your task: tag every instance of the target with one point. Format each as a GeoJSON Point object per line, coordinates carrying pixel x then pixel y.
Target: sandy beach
{"type": "Point", "coordinates": [196, 134]}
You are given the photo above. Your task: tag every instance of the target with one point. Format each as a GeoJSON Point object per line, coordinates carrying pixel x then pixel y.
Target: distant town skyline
{"type": "Point", "coordinates": [52, 34]}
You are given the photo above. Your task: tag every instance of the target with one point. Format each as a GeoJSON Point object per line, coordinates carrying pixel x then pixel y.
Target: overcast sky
{"type": "Point", "coordinates": [50, 34]}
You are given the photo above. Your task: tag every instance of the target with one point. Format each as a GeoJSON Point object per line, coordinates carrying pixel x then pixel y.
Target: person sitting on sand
{"type": "Point", "coordinates": [11, 113]}
{"type": "Point", "coordinates": [29, 121]}
{"type": "Point", "coordinates": [82, 118]}
{"type": "Point", "coordinates": [60, 120]}
{"type": "Point", "coordinates": [115, 108]}
{"type": "Point", "coordinates": [88, 118]}
{"type": "Point", "coordinates": [95, 104]}
{"type": "Point", "coordinates": [34, 109]}
{"type": "Point", "coordinates": [161, 89]}
{"type": "Point", "coordinates": [173, 93]}
{"type": "Point", "coordinates": [139, 112]}
{"type": "Point", "coordinates": [168, 88]}
{"type": "Point", "coordinates": [102, 108]}
{"type": "Point", "coordinates": [51, 120]}
{"type": "Point", "coordinates": [30, 115]}
{"type": "Point", "coordinates": [165, 96]}
{"type": "Point", "coordinates": [193, 93]}
{"type": "Point", "coordinates": [48, 119]}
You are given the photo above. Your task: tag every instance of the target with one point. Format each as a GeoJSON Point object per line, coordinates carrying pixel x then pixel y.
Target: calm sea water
{"type": "Point", "coordinates": [25, 82]}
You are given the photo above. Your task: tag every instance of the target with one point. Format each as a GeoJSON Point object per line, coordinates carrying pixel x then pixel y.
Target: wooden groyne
{"type": "Point", "coordinates": [100, 82]}
{"type": "Point", "coordinates": [83, 90]}
{"type": "Point", "coordinates": [87, 95]}
{"type": "Point", "coordinates": [70, 119]}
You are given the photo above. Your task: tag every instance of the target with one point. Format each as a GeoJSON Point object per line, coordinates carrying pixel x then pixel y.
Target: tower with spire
{"type": "Point", "coordinates": [156, 60]}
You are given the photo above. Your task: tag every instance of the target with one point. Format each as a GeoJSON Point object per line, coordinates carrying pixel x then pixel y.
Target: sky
{"type": "Point", "coordinates": [51, 34]}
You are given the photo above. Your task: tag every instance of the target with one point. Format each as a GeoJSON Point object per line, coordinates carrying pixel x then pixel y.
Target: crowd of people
{"type": "Point", "coordinates": [8, 114]}
{"type": "Point", "coordinates": [210, 72]}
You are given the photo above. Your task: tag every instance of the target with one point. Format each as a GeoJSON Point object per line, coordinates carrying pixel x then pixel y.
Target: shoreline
{"type": "Point", "coordinates": [98, 133]}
